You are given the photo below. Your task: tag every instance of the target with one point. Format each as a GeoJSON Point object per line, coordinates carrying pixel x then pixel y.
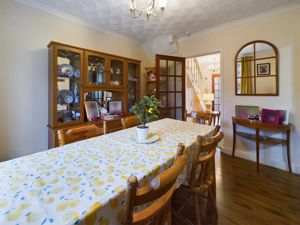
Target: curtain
{"type": "Point", "coordinates": [246, 81]}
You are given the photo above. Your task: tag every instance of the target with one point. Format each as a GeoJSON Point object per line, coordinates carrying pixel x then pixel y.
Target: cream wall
{"type": "Point", "coordinates": [25, 33]}
{"type": "Point", "coordinates": [283, 31]}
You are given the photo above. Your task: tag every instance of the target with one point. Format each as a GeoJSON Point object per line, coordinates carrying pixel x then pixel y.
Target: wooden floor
{"type": "Point", "coordinates": [244, 197]}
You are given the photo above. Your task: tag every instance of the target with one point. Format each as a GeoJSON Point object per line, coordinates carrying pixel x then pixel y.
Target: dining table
{"type": "Point", "coordinates": [85, 182]}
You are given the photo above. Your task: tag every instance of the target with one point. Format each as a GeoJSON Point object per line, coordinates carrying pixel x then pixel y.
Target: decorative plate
{"type": "Point", "coordinates": [67, 70]}
{"type": "Point", "coordinates": [65, 96]}
{"type": "Point", "coordinates": [152, 137]}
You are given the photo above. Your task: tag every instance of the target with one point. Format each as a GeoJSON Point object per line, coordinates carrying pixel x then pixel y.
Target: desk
{"type": "Point", "coordinates": [258, 138]}
{"type": "Point", "coordinates": [85, 182]}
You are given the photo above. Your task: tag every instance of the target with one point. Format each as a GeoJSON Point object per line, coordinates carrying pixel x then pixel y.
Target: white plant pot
{"type": "Point", "coordinates": [142, 133]}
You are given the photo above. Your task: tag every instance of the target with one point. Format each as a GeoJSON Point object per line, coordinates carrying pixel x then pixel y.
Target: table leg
{"type": "Point", "coordinates": [257, 149]}
{"type": "Point", "coordinates": [234, 138]}
{"type": "Point", "coordinates": [288, 149]}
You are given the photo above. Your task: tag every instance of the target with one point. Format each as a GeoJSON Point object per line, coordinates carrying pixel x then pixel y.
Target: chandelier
{"type": "Point", "coordinates": [214, 67]}
{"type": "Point", "coordinates": [151, 8]}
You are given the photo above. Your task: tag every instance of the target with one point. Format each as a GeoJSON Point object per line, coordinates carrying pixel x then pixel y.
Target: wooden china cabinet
{"type": "Point", "coordinates": [77, 75]}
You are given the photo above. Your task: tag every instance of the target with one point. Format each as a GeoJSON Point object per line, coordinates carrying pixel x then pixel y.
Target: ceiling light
{"type": "Point", "coordinates": [150, 8]}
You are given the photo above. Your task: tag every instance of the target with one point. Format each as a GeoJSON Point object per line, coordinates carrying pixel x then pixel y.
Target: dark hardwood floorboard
{"type": "Point", "coordinates": [244, 197]}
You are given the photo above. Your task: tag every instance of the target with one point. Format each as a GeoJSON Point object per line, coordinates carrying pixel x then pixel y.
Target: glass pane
{"type": "Point", "coordinates": [178, 84]}
{"type": "Point", "coordinates": [265, 67]}
{"type": "Point", "coordinates": [246, 53]}
{"type": "Point", "coordinates": [68, 84]}
{"type": "Point", "coordinates": [245, 69]}
{"type": "Point", "coordinates": [178, 68]}
{"type": "Point", "coordinates": [239, 69]}
{"type": "Point", "coordinates": [264, 50]}
{"type": "Point", "coordinates": [171, 84]}
{"type": "Point", "coordinates": [171, 68]}
{"type": "Point", "coordinates": [179, 114]}
{"type": "Point", "coordinates": [266, 85]}
{"type": "Point", "coordinates": [171, 98]}
{"type": "Point", "coordinates": [245, 85]}
{"type": "Point", "coordinates": [163, 100]}
{"type": "Point", "coordinates": [163, 67]}
{"type": "Point", "coordinates": [96, 70]}
{"type": "Point", "coordinates": [172, 113]}
{"type": "Point", "coordinates": [133, 90]}
{"type": "Point", "coordinates": [116, 72]}
{"type": "Point", "coordinates": [163, 83]}
{"type": "Point", "coordinates": [179, 99]}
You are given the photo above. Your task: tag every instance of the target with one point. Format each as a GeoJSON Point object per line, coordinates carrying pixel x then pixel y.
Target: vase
{"type": "Point", "coordinates": [142, 133]}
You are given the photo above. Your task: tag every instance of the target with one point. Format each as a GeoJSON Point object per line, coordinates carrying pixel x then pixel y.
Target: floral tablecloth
{"type": "Point", "coordinates": [85, 182]}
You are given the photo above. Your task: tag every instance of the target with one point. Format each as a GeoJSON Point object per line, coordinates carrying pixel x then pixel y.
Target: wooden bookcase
{"type": "Point", "coordinates": [77, 75]}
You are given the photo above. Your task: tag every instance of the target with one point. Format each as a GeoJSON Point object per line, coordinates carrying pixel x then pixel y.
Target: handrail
{"type": "Point", "coordinates": [194, 73]}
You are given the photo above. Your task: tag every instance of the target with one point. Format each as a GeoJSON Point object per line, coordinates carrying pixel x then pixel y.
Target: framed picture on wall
{"type": "Point", "coordinates": [263, 69]}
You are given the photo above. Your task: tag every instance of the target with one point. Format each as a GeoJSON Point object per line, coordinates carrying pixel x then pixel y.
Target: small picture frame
{"type": "Point", "coordinates": [263, 69]}
{"type": "Point", "coordinates": [244, 111]}
{"type": "Point", "coordinates": [92, 110]}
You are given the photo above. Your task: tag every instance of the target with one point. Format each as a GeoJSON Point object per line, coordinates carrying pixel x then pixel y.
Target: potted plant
{"type": "Point", "coordinates": [146, 110]}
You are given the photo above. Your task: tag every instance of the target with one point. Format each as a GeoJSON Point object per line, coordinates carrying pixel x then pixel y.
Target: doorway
{"type": "Point", "coordinates": [203, 77]}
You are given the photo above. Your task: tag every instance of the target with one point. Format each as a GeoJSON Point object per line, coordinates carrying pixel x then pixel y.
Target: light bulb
{"type": "Point", "coordinates": [162, 3]}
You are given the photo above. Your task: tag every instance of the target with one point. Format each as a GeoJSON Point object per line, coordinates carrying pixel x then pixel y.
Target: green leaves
{"type": "Point", "coordinates": [147, 109]}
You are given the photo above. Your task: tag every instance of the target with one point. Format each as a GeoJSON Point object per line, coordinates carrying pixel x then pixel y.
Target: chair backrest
{"type": "Point", "coordinates": [216, 115]}
{"type": "Point", "coordinates": [204, 164]}
{"type": "Point", "coordinates": [78, 134]}
{"type": "Point", "coordinates": [204, 118]}
{"type": "Point", "coordinates": [193, 115]}
{"type": "Point", "coordinates": [130, 121]}
{"type": "Point", "coordinates": [110, 126]}
{"type": "Point", "coordinates": [159, 189]}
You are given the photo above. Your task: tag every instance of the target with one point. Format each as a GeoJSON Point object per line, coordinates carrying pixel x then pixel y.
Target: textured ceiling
{"type": "Point", "coordinates": [181, 16]}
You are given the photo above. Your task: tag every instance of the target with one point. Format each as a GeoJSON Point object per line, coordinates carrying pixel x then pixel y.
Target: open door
{"type": "Point", "coordinates": [171, 86]}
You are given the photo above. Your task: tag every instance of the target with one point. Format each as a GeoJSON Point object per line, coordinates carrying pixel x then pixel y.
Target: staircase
{"type": "Point", "coordinates": [194, 74]}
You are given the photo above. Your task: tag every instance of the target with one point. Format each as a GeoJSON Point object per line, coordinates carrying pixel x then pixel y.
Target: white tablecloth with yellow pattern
{"type": "Point", "coordinates": [85, 182]}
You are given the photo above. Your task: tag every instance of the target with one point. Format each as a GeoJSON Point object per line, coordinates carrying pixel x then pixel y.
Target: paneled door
{"type": "Point", "coordinates": [171, 86]}
{"type": "Point", "coordinates": [216, 89]}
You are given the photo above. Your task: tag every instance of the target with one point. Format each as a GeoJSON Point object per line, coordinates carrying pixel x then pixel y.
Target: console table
{"type": "Point", "coordinates": [257, 137]}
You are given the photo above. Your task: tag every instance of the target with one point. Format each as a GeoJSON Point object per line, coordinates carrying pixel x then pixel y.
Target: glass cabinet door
{"type": "Point", "coordinates": [69, 82]}
{"type": "Point", "coordinates": [95, 69]}
{"type": "Point", "coordinates": [116, 72]}
{"type": "Point", "coordinates": [133, 84]}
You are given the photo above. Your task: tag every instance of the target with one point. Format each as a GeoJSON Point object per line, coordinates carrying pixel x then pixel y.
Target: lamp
{"type": "Point", "coordinates": [208, 98]}
{"type": "Point", "coordinates": [151, 8]}
{"type": "Point", "coordinates": [214, 67]}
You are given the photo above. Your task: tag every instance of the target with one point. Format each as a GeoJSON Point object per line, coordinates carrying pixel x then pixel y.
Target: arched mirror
{"type": "Point", "coordinates": [256, 69]}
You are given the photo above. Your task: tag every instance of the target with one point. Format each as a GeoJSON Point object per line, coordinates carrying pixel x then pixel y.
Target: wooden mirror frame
{"type": "Point", "coordinates": [255, 69]}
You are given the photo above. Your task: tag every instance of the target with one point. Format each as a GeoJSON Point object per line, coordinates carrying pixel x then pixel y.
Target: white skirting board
{"type": "Point", "coordinates": [252, 157]}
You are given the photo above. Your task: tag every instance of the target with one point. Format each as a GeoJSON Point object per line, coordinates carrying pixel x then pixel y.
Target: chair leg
{"type": "Point", "coordinates": [214, 206]}
{"type": "Point", "coordinates": [197, 210]}
{"type": "Point", "coordinates": [169, 220]}
{"type": "Point", "coordinates": [184, 204]}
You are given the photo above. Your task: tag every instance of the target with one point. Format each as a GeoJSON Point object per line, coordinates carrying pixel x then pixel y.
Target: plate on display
{"type": "Point", "coordinates": [65, 96]}
{"type": "Point", "coordinates": [67, 70]}
{"type": "Point", "coordinates": [152, 137]}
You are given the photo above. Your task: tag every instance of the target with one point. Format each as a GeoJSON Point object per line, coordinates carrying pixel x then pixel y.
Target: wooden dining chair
{"type": "Point", "coordinates": [193, 115]}
{"type": "Point", "coordinates": [159, 190]}
{"type": "Point", "coordinates": [204, 118]}
{"type": "Point", "coordinates": [216, 115]}
{"type": "Point", "coordinates": [113, 125]}
{"type": "Point", "coordinates": [130, 121]}
{"type": "Point", "coordinates": [78, 134]}
{"type": "Point", "coordinates": [202, 177]}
